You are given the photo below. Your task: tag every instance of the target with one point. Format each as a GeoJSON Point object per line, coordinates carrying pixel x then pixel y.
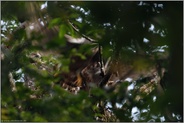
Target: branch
{"type": "Point", "coordinates": [77, 30]}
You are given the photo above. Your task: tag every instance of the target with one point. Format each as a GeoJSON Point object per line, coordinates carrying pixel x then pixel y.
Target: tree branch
{"type": "Point", "coordinates": [86, 37]}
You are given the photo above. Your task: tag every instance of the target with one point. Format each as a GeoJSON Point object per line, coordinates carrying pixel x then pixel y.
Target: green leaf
{"type": "Point", "coordinates": [62, 31]}
{"type": "Point", "coordinates": [54, 22]}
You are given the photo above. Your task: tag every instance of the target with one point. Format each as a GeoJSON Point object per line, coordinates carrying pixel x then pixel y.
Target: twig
{"type": "Point", "coordinates": [77, 30]}
{"type": "Point", "coordinates": [101, 62]}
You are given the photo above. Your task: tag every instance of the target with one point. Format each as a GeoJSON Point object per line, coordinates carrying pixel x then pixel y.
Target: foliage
{"type": "Point", "coordinates": [36, 58]}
